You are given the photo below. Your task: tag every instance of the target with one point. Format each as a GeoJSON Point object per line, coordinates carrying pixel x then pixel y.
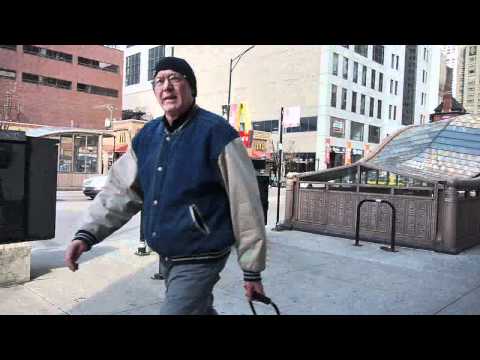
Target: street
{"type": "Point", "coordinates": [71, 206]}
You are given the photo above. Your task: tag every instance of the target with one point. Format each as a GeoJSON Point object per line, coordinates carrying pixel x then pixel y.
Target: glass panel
{"type": "Point", "coordinates": [66, 152]}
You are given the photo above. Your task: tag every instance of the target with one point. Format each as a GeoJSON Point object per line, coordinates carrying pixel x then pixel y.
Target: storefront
{"type": "Point", "coordinates": [80, 154]}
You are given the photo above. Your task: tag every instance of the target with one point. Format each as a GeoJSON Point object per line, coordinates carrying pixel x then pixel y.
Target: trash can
{"type": "Point", "coordinates": [263, 181]}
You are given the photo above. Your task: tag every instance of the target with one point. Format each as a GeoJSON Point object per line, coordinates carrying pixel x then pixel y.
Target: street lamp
{"type": "Point", "coordinates": [236, 59]}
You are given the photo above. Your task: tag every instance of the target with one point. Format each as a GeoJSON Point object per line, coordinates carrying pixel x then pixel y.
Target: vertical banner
{"type": "Point", "coordinates": [348, 153]}
{"type": "Point", "coordinates": [327, 152]}
{"type": "Point", "coordinates": [244, 118]}
{"type": "Point", "coordinates": [291, 117]}
{"type": "Point", "coordinates": [367, 150]}
{"type": "Point", "coordinates": [234, 116]}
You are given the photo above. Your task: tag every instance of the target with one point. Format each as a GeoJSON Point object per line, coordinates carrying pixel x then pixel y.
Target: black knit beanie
{"type": "Point", "coordinates": [181, 66]}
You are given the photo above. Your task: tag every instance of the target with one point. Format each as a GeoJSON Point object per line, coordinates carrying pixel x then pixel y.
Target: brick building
{"type": "Point", "coordinates": [60, 85]}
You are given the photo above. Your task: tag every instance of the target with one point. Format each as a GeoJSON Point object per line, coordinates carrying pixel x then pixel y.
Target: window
{"type": "Point", "coordinates": [370, 113]}
{"type": "Point", "coordinates": [362, 104]}
{"type": "Point", "coordinates": [395, 112]}
{"type": "Point", "coordinates": [393, 61]}
{"type": "Point", "coordinates": [85, 153]}
{"type": "Point", "coordinates": [337, 127]}
{"type": "Point", "coordinates": [391, 86]}
{"type": "Point", "coordinates": [154, 56]}
{"type": "Point", "coordinates": [424, 76]}
{"type": "Point", "coordinates": [132, 75]}
{"type": "Point", "coordinates": [356, 131]}
{"type": "Point", "coordinates": [97, 90]}
{"type": "Point", "coordinates": [389, 112]}
{"type": "Point", "coordinates": [345, 46]}
{"type": "Point", "coordinates": [344, 99]}
{"type": "Point", "coordinates": [472, 51]}
{"type": "Point", "coordinates": [97, 64]}
{"type": "Point", "coordinates": [333, 100]}
{"type": "Point", "coordinates": [379, 109]}
{"type": "Point", "coordinates": [335, 64]}
{"type": "Point", "coordinates": [373, 134]}
{"type": "Point", "coordinates": [372, 80]}
{"type": "Point", "coordinates": [46, 81]}
{"type": "Point", "coordinates": [364, 75]}
{"type": "Point", "coordinates": [355, 72]}
{"type": "Point", "coordinates": [345, 68]}
{"type": "Point", "coordinates": [425, 54]}
{"type": "Point", "coordinates": [354, 101]}
{"type": "Point", "coordinates": [65, 159]}
{"type": "Point", "coordinates": [361, 49]}
{"type": "Point", "coordinates": [396, 66]}
{"type": "Point", "coordinates": [47, 53]}
{"type": "Point", "coordinates": [9, 47]}
{"type": "Point", "coordinates": [268, 125]}
{"type": "Point", "coordinates": [396, 87]}
{"type": "Point", "coordinates": [306, 124]}
{"type": "Point", "coordinates": [380, 81]}
{"type": "Point", "coordinates": [377, 54]}
{"type": "Point", "coordinates": [8, 74]}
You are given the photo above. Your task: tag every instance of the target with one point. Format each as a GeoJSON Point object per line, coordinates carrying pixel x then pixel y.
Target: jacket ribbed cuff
{"type": "Point", "coordinates": [88, 238]}
{"type": "Point", "coordinates": [251, 276]}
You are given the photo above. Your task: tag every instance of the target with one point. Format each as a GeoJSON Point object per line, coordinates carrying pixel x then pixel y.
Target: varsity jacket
{"type": "Point", "coordinates": [198, 191]}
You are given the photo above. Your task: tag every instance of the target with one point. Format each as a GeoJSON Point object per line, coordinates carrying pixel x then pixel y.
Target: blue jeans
{"type": "Point", "coordinates": [189, 287]}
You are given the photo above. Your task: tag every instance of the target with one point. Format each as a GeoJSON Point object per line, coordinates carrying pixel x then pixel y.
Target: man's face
{"type": "Point", "coordinates": [173, 93]}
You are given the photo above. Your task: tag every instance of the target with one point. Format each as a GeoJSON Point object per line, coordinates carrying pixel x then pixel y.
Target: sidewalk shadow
{"type": "Point", "coordinates": [45, 260]}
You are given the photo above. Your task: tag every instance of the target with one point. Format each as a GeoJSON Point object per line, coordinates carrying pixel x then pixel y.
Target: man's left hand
{"type": "Point", "coordinates": [251, 287]}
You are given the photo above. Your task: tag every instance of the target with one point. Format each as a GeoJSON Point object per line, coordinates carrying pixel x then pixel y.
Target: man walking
{"type": "Point", "coordinates": [191, 174]}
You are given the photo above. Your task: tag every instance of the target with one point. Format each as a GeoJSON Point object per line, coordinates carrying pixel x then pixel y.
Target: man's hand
{"type": "Point", "coordinates": [74, 250]}
{"type": "Point", "coordinates": [251, 287]}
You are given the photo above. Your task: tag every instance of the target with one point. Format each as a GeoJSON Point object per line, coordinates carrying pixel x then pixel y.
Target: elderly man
{"type": "Point", "coordinates": [191, 174]}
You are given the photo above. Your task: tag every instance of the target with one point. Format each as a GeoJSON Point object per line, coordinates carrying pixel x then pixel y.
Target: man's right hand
{"type": "Point", "coordinates": [74, 250]}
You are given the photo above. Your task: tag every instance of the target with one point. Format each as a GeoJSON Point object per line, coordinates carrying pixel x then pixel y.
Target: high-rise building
{"type": "Point", "coordinates": [61, 85]}
{"type": "Point", "coordinates": [468, 78]}
{"type": "Point", "coordinates": [451, 54]}
{"type": "Point", "coordinates": [421, 83]}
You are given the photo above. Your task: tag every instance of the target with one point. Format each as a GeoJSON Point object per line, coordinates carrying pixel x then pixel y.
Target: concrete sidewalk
{"type": "Point", "coordinates": [306, 274]}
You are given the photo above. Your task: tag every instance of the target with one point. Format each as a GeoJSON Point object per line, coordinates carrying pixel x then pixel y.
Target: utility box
{"type": "Point", "coordinates": [28, 184]}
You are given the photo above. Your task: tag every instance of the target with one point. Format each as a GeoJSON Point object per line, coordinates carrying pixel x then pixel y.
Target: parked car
{"type": "Point", "coordinates": [92, 186]}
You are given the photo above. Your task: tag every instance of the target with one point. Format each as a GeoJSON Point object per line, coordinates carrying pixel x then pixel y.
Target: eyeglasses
{"type": "Point", "coordinates": [173, 79]}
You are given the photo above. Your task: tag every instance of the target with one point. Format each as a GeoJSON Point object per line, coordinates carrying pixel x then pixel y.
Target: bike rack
{"type": "Point", "coordinates": [357, 227]}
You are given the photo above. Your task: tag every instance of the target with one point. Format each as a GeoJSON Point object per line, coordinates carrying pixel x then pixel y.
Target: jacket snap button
{"type": "Point", "coordinates": [154, 234]}
{"type": "Point", "coordinates": [159, 168]}
{"type": "Point", "coordinates": [155, 202]}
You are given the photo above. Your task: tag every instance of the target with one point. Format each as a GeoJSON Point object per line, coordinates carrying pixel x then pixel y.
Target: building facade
{"type": "Point", "coordinates": [351, 96]}
{"type": "Point", "coordinates": [61, 85]}
{"type": "Point", "coordinates": [451, 57]}
{"type": "Point", "coordinates": [468, 78]}
{"type": "Point", "coordinates": [421, 85]}
{"type": "Point", "coordinates": [139, 62]}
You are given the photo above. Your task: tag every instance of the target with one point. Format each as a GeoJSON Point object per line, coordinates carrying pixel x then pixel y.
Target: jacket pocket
{"type": "Point", "coordinates": [198, 220]}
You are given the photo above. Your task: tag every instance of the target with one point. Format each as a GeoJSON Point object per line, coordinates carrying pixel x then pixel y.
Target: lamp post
{"type": "Point", "coordinates": [236, 59]}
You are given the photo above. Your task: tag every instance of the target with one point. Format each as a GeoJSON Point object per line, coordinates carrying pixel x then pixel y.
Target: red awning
{"type": "Point", "coordinates": [121, 148]}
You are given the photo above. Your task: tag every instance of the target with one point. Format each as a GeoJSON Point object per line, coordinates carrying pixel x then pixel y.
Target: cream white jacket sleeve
{"type": "Point", "coordinates": [115, 205]}
{"type": "Point", "coordinates": [245, 208]}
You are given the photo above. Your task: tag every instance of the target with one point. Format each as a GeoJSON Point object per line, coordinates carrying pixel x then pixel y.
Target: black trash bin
{"type": "Point", "coordinates": [263, 182]}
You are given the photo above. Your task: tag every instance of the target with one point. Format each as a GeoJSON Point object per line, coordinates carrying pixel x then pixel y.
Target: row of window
{"type": "Point", "coordinates": [337, 129]}
{"type": "Point", "coordinates": [132, 69]}
{"type": "Point", "coordinates": [363, 99]}
{"type": "Point", "coordinates": [61, 56]}
{"type": "Point", "coordinates": [378, 52]}
{"type": "Point", "coordinates": [363, 81]}
{"type": "Point", "coordinates": [65, 84]}
{"type": "Point", "coordinates": [306, 124]}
